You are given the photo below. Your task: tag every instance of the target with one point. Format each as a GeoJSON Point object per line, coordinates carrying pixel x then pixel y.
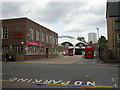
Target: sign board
{"type": "Point", "coordinates": [32, 43]}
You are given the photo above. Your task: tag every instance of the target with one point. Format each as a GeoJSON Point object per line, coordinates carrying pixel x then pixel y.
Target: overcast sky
{"type": "Point", "coordinates": [66, 17]}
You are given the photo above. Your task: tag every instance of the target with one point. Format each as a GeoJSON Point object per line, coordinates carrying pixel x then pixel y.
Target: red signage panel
{"type": "Point", "coordinates": [17, 36]}
{"type": "Point", "coordinates": [32, 43]}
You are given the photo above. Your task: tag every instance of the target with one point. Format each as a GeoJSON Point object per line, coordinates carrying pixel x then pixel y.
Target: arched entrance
{"type": "Point", "coordinates": [70, 46]}
{"type": "Point", "coordinates": [79, 48]}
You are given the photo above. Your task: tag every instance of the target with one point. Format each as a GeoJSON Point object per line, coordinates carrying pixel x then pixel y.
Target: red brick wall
{"type": "Point", "coordinates": [108, 56]}
{"type": "Point", "coordinates": [32, 57]}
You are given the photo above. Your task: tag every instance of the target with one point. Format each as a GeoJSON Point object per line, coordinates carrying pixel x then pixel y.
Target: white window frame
{"type": "Point", "coordinates": [118, 38]}
{"type": "Point", "coordinates": [37, 35]}
{"type": "Point", "coordinates": [53, 39]}
{"type": "Point", "coordinates": [50, 39]}
{"type": "Point", "coordinates": [3, 33]}
{"type": "Point", "coordinates": [46, 38]}
{"type": "Point", "coordinates": [31, 33]}
{"type": "Point", "coordinates": [42, 36]}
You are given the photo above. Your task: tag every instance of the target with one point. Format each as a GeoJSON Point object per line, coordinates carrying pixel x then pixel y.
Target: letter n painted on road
{"type": "Point", "coordinates": [91, 83]}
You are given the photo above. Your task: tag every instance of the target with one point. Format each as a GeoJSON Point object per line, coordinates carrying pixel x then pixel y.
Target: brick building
{"type": "Point", "coordinates": [26, 38]}
{"type": "Point", "coordinates": [111, 53]}
{"type": "Point", "coordinates": [113, 26]}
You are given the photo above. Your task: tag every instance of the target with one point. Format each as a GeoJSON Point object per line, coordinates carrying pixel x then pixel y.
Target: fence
{"type": "Point", "coordinates": [108, 56]}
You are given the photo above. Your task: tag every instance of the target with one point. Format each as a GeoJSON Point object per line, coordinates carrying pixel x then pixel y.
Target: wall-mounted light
{"type": "Point", "coordinates": [22, 42]}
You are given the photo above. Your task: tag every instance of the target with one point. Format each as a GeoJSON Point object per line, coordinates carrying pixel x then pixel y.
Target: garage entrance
{"type": "Point", "coordinates": [78, 52]}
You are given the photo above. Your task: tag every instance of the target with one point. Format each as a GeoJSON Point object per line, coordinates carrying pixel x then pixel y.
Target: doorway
{"type": "Point", "coordinates": [47, 49]}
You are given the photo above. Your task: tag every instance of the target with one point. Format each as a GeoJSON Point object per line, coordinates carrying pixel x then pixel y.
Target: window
{"type": "Point", "coordinates": [53, 40]}
{"type": "Point", "coordinates": [66, 44]}
{"type": "Point", "coordinates": [30, 50]}
{"type": "Point", "coordinates": [4, 33]}
{"type": "Point", "coordinates": [31, 33]}
{"type": "Point", "coordinates": [42, 37]}
{"type": "Point", "coordinates": [17, 48]}
{"type": "Point", "coordinates": [118, 49]}
{"type": "Point", "coordinates": [50, 50]}
{"type": "Point", "coordinates": [50, 39]}
{"type": "Point", "coordinates": [118, 38]}
{"type": "Point", "coordinates": [6, 48]}
{"type": "Point", "coordinates": [42, 50]}
{"type": "Point", "coordinates": [47, 38]}
{"type": "Point", "coordinates": [36, 50]}
{"type": "Point", "coordinates": [56, 41]}
{"type": "Point", "coordinates": [14, 48]}
{"type": "Point", "coordinates": [117, 25]}
{"type": "Point", "coordinates": [37, 35]}
{"type": "Point", "coordinates": [89, 46]}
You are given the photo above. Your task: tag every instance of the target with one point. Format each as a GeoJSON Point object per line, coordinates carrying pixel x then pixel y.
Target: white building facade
{"type": "Point", "coordinates": [72, 43]}
{"type": "Point", "coordinates": [92, 37]}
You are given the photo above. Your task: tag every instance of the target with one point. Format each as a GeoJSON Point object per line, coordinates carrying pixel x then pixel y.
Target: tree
{"type": "Point", "coordinates": [90, 42]}
{"type": "Point", "coordinates": [81, 39]}
{"type": "Point", "coordinates": [102, 42]}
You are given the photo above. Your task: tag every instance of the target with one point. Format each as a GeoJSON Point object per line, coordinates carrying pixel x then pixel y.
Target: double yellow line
{"type": "Point", "coordinates": [65, 85]}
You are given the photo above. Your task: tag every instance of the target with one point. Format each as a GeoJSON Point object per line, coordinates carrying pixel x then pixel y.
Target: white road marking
{"type": "Point", "coordinates": [91, 83]}
{"type": "Point", "coordinates": [62, 82]}
{"type": "Point", "coordinates": [78, 83]}
{"type": "Point", "coordinates": [65, 83]}
{"type": "Point", "coordinates": [115, 85]}
{"type": "Point", "coordinates": [113, 80]}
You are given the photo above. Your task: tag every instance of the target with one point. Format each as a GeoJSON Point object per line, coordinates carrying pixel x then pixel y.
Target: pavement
{"type": "Point", "coordinates": [57, 60]}
{"type": "Point", "coordinates": [76, 59]}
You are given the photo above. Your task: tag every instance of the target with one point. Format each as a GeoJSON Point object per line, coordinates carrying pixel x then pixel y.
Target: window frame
{"type": "Point", "coordinates": [118, 38]}
{"type": "Point", "coordinates": [37, 35]}
{"type": "Point", "coordinates": [3, 35]}
{"type": "Point", "coordinates": [31, 33]}
{"type": "Point", "coordinates": [42, 36]}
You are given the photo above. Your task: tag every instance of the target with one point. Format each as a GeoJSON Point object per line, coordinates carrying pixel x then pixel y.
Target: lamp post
{"type": "Point", "coordinates": [98, 42]}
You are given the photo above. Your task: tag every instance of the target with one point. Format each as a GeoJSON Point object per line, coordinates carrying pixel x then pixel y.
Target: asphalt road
{"type": "Point", "coordinates": [84, 73]}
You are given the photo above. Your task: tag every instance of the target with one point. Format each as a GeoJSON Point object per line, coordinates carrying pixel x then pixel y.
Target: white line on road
{"type": "Point", "coordinates": [113, 80]}
{"type": "Point", "coordinates": [115, 85]}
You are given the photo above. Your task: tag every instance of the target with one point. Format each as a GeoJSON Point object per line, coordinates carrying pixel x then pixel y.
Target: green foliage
{"type": "Point", "coordinates": [81, 39]}
{"type": "Point", "coordinates": [102, 42]}
{"type": "Point", "coordinates": [13, 52]}
{"type": "Point", "coordinates": [90, 42]}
